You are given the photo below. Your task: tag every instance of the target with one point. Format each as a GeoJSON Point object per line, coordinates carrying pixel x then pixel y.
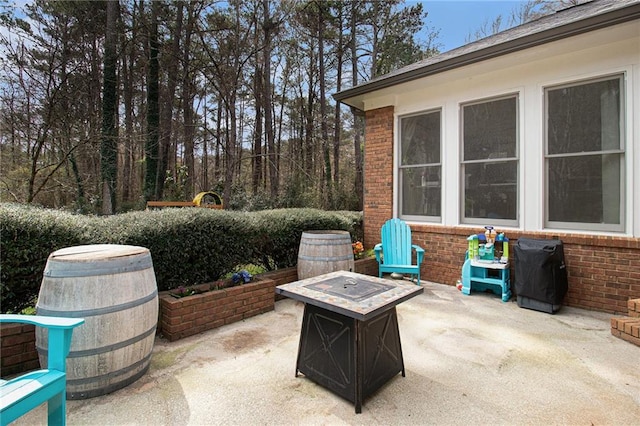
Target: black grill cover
{"type": "Point", "coordinates": [540, 270]}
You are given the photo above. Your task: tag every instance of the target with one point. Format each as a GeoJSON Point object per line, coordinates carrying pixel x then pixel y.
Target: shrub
{"type": "Point", "coordinates": [188, 246]}
{"type": "Point", "coordinates": [277, 232]}
{"type": "Point", "coordinates": [29, 235]}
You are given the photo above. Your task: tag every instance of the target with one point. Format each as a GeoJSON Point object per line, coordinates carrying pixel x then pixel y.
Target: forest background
{"type": "Point", "coordinates": [108, 104]}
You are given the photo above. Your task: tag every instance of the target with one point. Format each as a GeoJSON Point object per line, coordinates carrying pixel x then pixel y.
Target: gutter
{"type": "Point", "coordinates": [592, 23]}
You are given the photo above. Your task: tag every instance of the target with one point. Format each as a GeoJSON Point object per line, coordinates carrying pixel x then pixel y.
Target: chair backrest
{"type": "Point", "coordinates": [396, 242]}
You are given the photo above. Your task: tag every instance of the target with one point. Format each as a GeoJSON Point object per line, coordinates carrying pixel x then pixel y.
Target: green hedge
{"type": "Point", "coordinates": [27, 236]}
{"type": "Point", "coordinates": [188, 246]}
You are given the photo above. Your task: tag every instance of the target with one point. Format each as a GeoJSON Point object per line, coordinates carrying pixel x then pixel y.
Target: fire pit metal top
{"type": "Point", "coordinates": [354, 295]}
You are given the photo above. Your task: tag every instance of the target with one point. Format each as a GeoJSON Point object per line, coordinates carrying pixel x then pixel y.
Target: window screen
{"type": "Point", "coordinates": [490, 161]}
{"type": "Point", "coordinates": [420, 167]}
{"type": "Point", "coordinates": [585, 156]}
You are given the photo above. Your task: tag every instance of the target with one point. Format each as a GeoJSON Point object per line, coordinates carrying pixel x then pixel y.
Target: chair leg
{"type": "Point", "coordinates": [56, 408]}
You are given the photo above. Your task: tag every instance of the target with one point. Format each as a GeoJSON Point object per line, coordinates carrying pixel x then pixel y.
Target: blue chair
{"type": "Point", "coordinates": [24, 393]}
{"type": "Point", "coordinates": [394, 253]}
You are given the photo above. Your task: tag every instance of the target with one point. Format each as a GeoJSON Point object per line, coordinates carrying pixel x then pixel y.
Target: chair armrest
{"type": "Point", "coordinates": [42, 321]}
{"type": "Point", "coordinates": [419, 253]}
{"type": "Point", "coordinates": [60, 331]}
{"type": "Point", "coordinates": [378, 250]}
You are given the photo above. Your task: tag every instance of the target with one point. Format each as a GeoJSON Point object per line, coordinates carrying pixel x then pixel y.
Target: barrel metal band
{"type": "Point", "coordinates": [104, 349]}
{"type": "Point", "coordinates": [56, 269]}
{"type": "Point", "coordinates": [328, 243]}
{"type": "Point", "coordinates": [92, 393]}
{"type": "Point", "coordinates": [326, 259]}
{"type": "Point", "coordinates": [111, 375]}
{"type": "Point", "coordinates": [98, 311]}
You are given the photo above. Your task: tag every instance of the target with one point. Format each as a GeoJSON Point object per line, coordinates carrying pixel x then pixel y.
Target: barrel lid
{"type": "Point", "coordinates": [97, 259]}
{"type": "Point", "coordinates": [96, 252]}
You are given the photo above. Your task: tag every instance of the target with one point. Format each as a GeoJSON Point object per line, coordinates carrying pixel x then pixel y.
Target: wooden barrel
{"type": "Point", "coordinates": [321, 252]}
{"type": "Point", "coordinates": [113, 287]}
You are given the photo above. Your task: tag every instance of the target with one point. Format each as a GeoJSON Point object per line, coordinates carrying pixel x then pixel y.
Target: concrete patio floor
{"type": "Point", "coordinates": [468, 359]}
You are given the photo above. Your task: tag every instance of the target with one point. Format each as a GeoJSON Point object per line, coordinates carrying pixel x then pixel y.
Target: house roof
{"type": "Point", "coordinates": [565, 23]}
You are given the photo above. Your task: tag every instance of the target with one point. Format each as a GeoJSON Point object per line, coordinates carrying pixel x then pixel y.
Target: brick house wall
{"type": "Point", "coordinates": [603, 271]}
{"type": "Point", "coordinates": [378, 172]}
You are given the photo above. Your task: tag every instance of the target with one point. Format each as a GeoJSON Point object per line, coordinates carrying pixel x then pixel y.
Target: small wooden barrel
{"type": "Point", "coordinates": [113, 287]}
{"type": "Point", "coordinates": [321, 252]}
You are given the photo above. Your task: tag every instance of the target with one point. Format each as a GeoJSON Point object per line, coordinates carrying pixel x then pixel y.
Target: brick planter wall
{"type": "Point", "coordinates": [194, 314]}
{"type": "Point", "coordinates": [281, 276]}
{"type": "Point", "coordinates": [368, 266]}
{"type": "Point", "coordinates": [191, 315]}
{"type": "Point", "coordinates": [18, 349]}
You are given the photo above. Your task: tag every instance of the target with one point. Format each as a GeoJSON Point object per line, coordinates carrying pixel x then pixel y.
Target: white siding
{"type": "Point", "coordinates": [604, 52]}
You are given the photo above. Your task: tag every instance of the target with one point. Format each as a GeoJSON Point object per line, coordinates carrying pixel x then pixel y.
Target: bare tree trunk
{"type": "Point", "coordinates": [187, 105]}
{"type": "Point", "coordinates": [230, 147]}
{"type": "Point", "coordinates": [129, 149]}
{"type": "Point", "coordinates": [268, 27]}
{"type": "Point", "coordinates": [324, 128]}
{"type": "Point", "coordinates": [166, 123]}
{"type": "Point", "coordinates": [127, 82]}
{"type": "Point", "coordinates": [280, 121]}
{"type": "Point", "coordinates": [217, 163]}
{"type": "Point", "coordinates": [337, 125]}
{"type": "Point", "coordinates": [257, 174]}
{"type": "Point", "coordinates": [204, 182]}
{"type": "Point", "coordinates": [109, 140]}
{"type": "Point", "coordinates": [357, 120]}
{"type": "Point", "coordinates": [153, 115]}
{"type": "Point", "coordinates": [308, 120]}
{"type": "Point", "coordinates": [375, 32]}
{"type": "Point", "coordinates": [67, 130]}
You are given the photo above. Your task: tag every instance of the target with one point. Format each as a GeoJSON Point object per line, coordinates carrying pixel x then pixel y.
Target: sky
{"type": "Point", "coordinates": [456, 19]}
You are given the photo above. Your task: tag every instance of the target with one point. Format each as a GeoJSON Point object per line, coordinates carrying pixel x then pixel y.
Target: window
{"type": "Point", "coordinates": [420, 168]}
{"type": "Point", "coordinates": [585, 155]}
{"type": "Point", "coordinates": [490, 162]}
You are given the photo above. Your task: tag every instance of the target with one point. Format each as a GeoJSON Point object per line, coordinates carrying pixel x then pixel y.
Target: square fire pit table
{"type": "Point", "coordinates": [349, 342]}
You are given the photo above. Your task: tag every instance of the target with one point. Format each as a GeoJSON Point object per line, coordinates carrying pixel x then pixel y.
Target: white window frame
{"type": "Point", "coordinates": [514, 223]}
{"type": "Point", "coordinates": [399, 166]}
{"type": "Point", "coordinates": [582, 226]}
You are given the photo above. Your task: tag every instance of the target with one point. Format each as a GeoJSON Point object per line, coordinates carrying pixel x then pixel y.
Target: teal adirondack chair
{"type": "Point", "coordinates": [394, 253]}
{"type": "Point", "coordinates": [24, 393]}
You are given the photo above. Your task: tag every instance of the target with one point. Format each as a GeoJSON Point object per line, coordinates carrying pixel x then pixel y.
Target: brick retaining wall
{"type": "Point", "coordinates": [194, 314]}
{"type": "Point", "coordinates": [18, 349]}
